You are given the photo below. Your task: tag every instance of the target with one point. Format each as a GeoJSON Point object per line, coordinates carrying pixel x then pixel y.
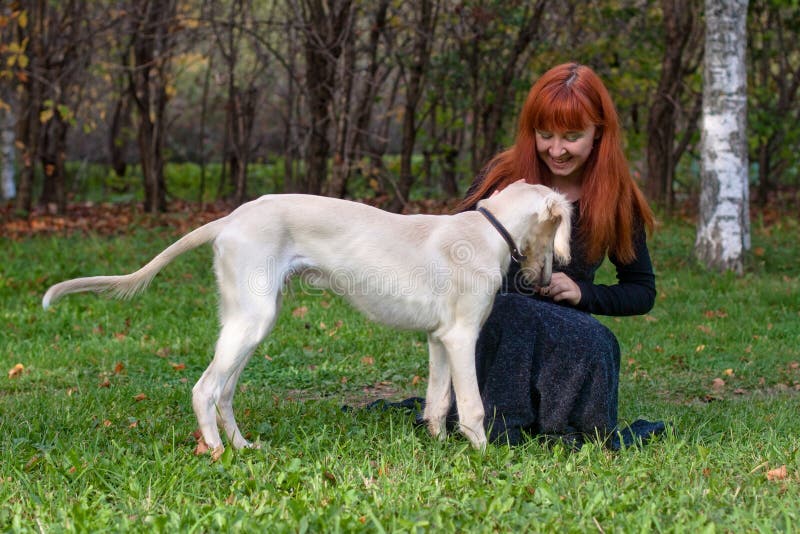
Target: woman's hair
{"type": "Point", "coordinates": [571, 97]}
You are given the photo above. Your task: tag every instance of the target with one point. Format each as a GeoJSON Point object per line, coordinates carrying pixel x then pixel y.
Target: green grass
{"type": "Point", "coordinates": [79, 452]}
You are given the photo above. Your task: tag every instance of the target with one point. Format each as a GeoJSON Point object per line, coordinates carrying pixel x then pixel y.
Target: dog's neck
{"type": "Point", "coordinates": [516, 254]}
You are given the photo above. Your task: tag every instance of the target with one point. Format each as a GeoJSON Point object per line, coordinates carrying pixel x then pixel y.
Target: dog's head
{"type": "Point", "coordinates": [540, 220]}
{"type": "Point", "coordinates": [547, 238]}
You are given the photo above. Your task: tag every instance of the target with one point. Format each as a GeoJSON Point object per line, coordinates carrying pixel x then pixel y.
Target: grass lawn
{"type": "Point", "coordinates": [96, 432]}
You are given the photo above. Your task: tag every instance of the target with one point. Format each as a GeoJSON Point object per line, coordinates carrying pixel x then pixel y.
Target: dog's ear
{"type": "Point", "coordinates": [560, 213]}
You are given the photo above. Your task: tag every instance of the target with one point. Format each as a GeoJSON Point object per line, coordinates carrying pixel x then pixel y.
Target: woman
{"type": "Point", "coordinates": [545, 365]}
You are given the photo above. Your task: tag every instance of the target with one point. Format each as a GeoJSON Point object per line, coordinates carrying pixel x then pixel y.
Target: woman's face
{"type": "Point", "coordinates": [565, 152]}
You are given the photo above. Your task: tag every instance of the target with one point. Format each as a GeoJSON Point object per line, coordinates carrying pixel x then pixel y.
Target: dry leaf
{"type": "Point", "coordinates": [178, 366]}
{"type": "Point", "coordinates": [778, 473]}
{"type": "Point", "coordinates": [201, 447]}
{"type": "Point", "coordinates": [106, 383]}
{"type": "Point", "coordinates": [140, 397]}
{"type": "Point", "coordinates": [368, 360]}
{"type": "Point", "coordinates": [16, 371]}
{"type": "Point", "coordinates": [300, 312]}
{"type": "Point", "coordinates": [729, 372]}
{"type": "Point", "coordinates": [717, 384]}
{"type": "Point", "coordinates": [118, 368]}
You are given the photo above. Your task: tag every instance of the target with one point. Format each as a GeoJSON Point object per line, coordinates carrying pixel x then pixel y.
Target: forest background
{"type": "Point", "coordinates": [379, 100]}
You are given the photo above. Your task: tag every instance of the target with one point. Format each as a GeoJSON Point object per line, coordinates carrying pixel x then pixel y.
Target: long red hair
{"type": "Point", "coordinates": [571, 97]}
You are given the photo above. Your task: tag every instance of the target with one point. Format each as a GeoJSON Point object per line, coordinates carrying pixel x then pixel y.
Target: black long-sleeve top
{"type": "Point", "coordinates": [633, 294]}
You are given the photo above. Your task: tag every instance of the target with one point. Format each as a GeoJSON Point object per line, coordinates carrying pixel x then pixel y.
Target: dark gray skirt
{"type": "Point", "coordinates": [546, 369]}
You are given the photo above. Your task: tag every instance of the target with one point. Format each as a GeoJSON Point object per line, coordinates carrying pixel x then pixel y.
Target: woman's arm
{"type": "Point", "coordinates": [635, 290]}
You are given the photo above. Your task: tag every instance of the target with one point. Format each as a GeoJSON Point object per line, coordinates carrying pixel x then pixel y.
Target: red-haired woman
{"type": "Point", "coordinates": [545, 365]}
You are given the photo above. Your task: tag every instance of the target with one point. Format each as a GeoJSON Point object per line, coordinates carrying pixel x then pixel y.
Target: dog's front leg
{"type": "Point", "coordinates": [460, 346]}
{"type": "Point", "coordinates": [437, 401]}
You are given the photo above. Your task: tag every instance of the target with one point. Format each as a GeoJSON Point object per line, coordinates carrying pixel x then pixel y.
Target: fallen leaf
{"type": "Point", "coordinates": [118, 368]}
{"type": "Point", "coordinates": [416, 380]}
{"type": "Point", "coordinates": [16, 371]}
{"type": "Point", "coordinates": [729, 372]}
{"type": "Point", "coordinates": [201, 447]}
{"type": "Point", "coordinates": [300, 312]}
{"type": "Point", "coordinates": [178, 366]}
{"type": "Point", "coordinates": [778, 473]}
{"type": "Point", "coordinates": [140, 397]}
{"type": "Point", "coordinates": [717, 384]}
{"type": "Point", "coordinates": [368, 360]}
{"type": "Point", "coordinates": [105, 383]}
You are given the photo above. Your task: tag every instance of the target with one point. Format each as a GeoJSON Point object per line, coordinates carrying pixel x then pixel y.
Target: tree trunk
{"type": "Point", "coordinates": [723, 231]}
{"type": "Point", "coordinates": [8, 188]}
{"type": "Point", "coordinates": [32, 96]}
{"type": "Point", "coordinates": [118, 129]}
{"type": "Point", "coordinates": [415, 84]}
{"type": "Point", "coordinates": [54, 148]}
{"type": "Point", "coordinates": [681, 18]}
{"type": "Point", "coordinates": [153, 39]}
{"type": "Point", "coordinates": [326, 25]}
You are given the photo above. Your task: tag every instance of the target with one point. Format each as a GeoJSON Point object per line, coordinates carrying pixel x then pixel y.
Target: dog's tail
{"type": "Point", "coordinates": [125, 286]}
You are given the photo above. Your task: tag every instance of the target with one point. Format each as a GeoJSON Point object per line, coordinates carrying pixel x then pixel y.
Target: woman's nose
{"type": "Point", "coordinates": [556, 147]}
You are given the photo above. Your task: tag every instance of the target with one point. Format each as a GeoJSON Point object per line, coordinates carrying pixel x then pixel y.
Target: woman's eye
{"type": "Point", "coordinates": [572, 136]}
{"type": "Point", "coordinates": [544, 135]}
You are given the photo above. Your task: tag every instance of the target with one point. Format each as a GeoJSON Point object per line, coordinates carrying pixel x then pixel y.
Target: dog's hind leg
{"type": "Point", "coordinates": [437, 398]}
{"type": "Point", "coordinates": [212, 396]}
{"type": "Point", "coordinates": [248, 310]}
{"type": "Point", "coordinates": [225, 401]}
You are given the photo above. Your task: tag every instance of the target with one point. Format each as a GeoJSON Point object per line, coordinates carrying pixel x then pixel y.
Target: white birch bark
{"type": "Point", "coordinates": [8, 189]}
{"type": "Point", "coordinates": [723, 230]}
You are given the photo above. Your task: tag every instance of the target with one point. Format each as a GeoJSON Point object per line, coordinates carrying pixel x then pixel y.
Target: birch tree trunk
{"type": "Point", "coordinates": [723, 231]}
{"type": "Point", "coordinates": [8, 188]}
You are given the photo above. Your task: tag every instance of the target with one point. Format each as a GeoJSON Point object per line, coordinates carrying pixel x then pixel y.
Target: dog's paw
{"type": "Point", "coordinates": [216, 453]}
{"type": "Point", "coordinates": [438, 429]}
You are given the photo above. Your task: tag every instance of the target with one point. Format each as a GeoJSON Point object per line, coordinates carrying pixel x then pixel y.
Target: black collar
{"type": "Point", "coordinates": [516, 255]}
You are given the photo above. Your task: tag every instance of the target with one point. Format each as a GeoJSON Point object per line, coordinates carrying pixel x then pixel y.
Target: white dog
{"type": "Point", "coordinates": [437, 273]}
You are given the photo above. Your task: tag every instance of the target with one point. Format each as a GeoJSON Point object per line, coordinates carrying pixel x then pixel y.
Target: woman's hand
{"type": "Point", "coordinates": [562, 288]}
